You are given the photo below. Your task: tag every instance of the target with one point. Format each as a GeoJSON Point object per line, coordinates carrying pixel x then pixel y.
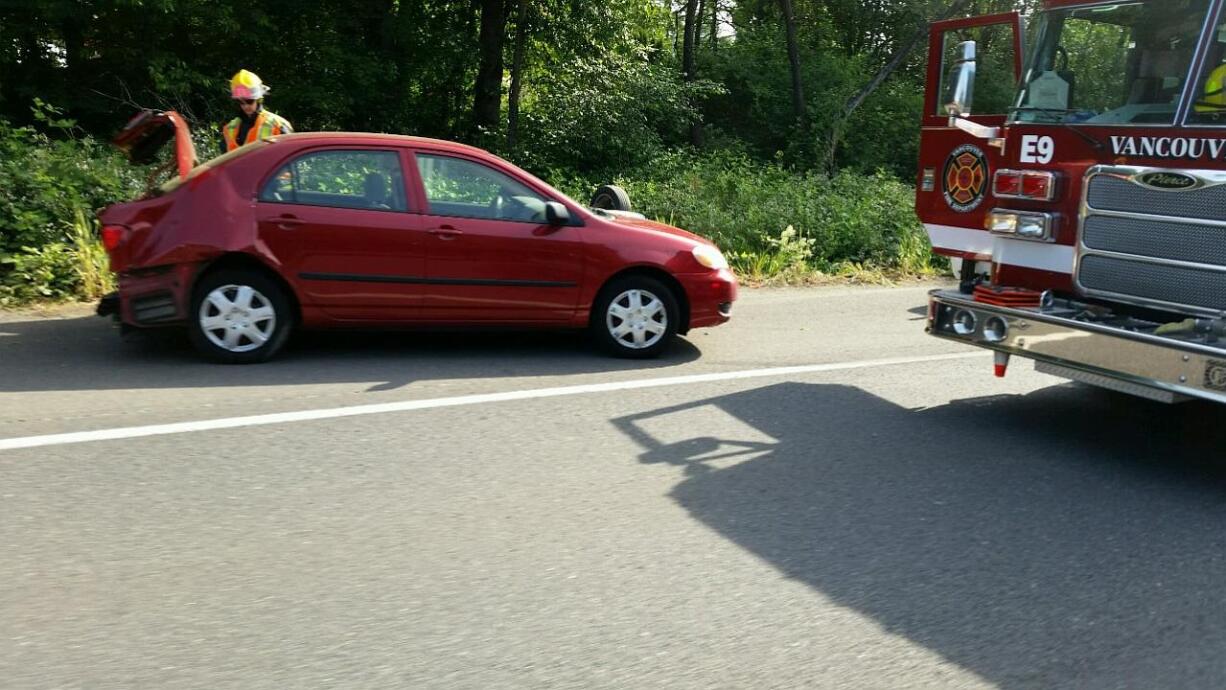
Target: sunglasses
{"type": "Point", "coordinates": [247, 101]}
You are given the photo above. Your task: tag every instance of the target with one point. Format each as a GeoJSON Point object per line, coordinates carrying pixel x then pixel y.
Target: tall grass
{"type": "Point", "coordinates": [91, 264]}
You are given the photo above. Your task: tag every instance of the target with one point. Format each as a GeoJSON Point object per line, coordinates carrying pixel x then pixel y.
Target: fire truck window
{"type": "Point", "coordinates": [1209, 104]}
{"type": "Point", "coordinates": [1122, 63]}
{"type": "Point", "coordinates": [995, 84]}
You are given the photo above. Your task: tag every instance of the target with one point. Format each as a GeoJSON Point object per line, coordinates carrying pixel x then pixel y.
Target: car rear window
{"type": "Point", "coordinates": [176, 181]}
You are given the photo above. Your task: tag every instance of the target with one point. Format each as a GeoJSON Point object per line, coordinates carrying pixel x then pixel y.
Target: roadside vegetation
{"type": "Point", "coordinates": [755, 123]}
{"type": "Point", "coordinates": [52, 178]}
{"type": "Point", "coordinates": [780, 226]}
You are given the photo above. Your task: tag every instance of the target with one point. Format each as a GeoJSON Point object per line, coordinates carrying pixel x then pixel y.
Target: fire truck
{"type": "Point", "coordinates": [1073, 168]}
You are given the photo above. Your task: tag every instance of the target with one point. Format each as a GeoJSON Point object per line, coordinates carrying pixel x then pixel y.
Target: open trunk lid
{"type": "Point", "coordinates": [149, 130]}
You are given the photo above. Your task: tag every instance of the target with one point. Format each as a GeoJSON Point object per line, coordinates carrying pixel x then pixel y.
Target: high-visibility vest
{"type": "Point", "coordinates": [266, 125]}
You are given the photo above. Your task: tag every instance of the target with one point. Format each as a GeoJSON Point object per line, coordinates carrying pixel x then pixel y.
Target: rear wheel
{"type": "Point", "coordinates": [635, 317]}
{"type": "Point", "coordinates": [239, 317]}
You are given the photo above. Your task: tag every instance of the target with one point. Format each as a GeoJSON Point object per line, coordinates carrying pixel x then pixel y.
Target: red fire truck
{"type": "Point", "coordinates": [1073, 167]}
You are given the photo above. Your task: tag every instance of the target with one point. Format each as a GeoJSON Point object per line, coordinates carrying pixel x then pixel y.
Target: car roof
{"type": "Point", "coordinates": [378, 138]}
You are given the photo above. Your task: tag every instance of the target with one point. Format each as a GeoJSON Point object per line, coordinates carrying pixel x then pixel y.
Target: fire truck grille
{"type": "Point", "coordinates": [1146, 257]}
{"type": "Point", "coordinates": [1175, 285]}
{"type": "Point", "coordinates": [1202, 244]}
{"type": "Point", "coordinates": [1114, 194]}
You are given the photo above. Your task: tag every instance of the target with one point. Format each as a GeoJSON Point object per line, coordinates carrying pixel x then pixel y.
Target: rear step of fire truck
{"type": "Point", "coordinates": [1166, 362]}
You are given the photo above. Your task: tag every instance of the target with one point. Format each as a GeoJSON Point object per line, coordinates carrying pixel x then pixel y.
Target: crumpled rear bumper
{"type": "Point", "coordinates": [151, 298]}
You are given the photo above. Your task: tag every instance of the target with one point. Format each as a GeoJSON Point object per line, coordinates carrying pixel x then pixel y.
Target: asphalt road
{"type": "Point", "coordinates": [814, 495]}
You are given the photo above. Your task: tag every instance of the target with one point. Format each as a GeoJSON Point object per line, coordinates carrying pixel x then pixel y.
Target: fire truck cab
{"type": "Point", "coordinates": [1073, 166]}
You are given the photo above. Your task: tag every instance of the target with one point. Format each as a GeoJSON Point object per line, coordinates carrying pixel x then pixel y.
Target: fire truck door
{"type": "Point", "coordinates": [954, 187]}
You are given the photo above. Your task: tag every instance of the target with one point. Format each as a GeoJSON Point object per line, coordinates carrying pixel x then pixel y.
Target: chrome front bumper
{"type": "Point", "coordinates": [1063, 340]}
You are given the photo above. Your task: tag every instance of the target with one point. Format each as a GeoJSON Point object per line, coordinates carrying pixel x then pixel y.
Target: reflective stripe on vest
{"type": "Point", "coordinates": [266, 125]}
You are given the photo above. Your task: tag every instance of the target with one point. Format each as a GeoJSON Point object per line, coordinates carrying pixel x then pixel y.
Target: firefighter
{"type": "Point", "coordinates": [253, 122]}
{"type": "Point", "coordinates": [1213, 100]}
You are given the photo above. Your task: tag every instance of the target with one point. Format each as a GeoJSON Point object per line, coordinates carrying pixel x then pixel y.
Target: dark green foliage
{"type": "Point", "coordinates": [605, 116]}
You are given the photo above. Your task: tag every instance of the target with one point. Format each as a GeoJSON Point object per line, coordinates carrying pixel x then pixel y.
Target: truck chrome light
{"type": "Point", "coordinates": [995, 329]}
{"type": "Point", "coordinates": [1007, 184]}
{"type": "Point", "coordinates": [964, 322]}
{"type": "Point", "coordinates": [1002, 222]}
{"type": "Point", "coordinates": [1023, 224]}
{"type": "Point", "coordinates": [1032, 185]}
{"type": "Point", "coordinates": [1038, 186]}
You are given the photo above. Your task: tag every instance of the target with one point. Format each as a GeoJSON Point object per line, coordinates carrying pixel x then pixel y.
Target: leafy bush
{"type": "Point", "coordinates": [38, 273]}
{"type": "Point", "coordinates": [43, 179]}
{"type": "Point", "coordinates": [882, 133]}
{"type": "Point", "coordinates": [76, 269]}
{"type": "Point", "coordinates": [771, 220]}
{"type": "Point", "coordinates": [611, 114]}
{"type": "Point", "coordinates": [47, 183]}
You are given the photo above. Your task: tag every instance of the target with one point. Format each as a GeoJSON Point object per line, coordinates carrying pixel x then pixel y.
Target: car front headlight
{"type": "Point", "coordinates": [710, 257]}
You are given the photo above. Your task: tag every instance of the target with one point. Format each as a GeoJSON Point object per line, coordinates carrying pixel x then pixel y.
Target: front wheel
{"type": "Point", "coordinates": [635, 317]}
{"type": "Point", "coordinates": [239, 317]}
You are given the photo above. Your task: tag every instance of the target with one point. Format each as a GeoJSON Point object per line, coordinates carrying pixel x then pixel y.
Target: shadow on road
{"type": "Point", "coordinates": [1067, 538]}
{"type": "Point", "coordinates": [88, 354]}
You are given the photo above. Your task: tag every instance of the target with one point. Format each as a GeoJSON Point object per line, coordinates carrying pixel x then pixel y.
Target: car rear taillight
{"type": "Point", "coordinates": [1024, 184]}
{"type": "Point", "coordinates": [112, 236]}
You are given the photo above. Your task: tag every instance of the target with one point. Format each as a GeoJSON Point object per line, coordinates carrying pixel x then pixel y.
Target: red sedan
{"type": "Point", "coordinates": [328, 230]}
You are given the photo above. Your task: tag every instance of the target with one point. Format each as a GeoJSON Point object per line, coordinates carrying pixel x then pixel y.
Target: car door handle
{"type": "Point", "coordinates": [446, 232]}
{"type": "Point", "coordinates": [287, 222]}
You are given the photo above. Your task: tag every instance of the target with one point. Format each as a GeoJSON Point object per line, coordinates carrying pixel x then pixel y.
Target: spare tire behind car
{"type": "Point", "coordinates": [610, 197]}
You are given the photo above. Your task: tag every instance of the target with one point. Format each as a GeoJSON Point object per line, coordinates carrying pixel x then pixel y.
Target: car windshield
{"type": "Point", "coordinates": [1117, 63]}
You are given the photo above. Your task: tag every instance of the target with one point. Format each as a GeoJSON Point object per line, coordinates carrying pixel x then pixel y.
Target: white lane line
{"type": "Point", "coordinates": [429, 404]}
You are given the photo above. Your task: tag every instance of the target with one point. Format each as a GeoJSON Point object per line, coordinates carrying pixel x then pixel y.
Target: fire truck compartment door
{"type": "Point", "coordinates": [954, 184]}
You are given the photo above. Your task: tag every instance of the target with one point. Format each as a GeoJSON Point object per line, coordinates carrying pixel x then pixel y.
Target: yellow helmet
{"type": "Point", "coordinates": [1214, 97]}
{"type": "Point", "coordinates": [246, 85]}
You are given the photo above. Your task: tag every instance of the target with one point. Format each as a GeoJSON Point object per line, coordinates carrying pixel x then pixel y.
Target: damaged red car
{"type": "Point", "coordinates": [354, 230]}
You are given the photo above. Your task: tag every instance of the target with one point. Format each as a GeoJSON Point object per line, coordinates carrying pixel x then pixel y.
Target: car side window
{"type": "Point", "coordinates": [464, 189]}
{"type": "Point", "coordinates": [342, 179]}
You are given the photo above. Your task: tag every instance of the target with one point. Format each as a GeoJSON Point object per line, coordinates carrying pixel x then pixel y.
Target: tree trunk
{"type": "Point", "coordinates": [676, 31]}
{"type": "Point", "coordinates": [714, 37]}
{"type": "Point", "coordinates": [798, 93]}
{"type": "Point", "coordinates": [687, 60]}
{"type": "Point", "coordinates": [699, 19]}
{"type": "Point", "coordinates": [487, 95]}
{"type": "Point", "coordinates": [517, 74]}
{"type": "Point", "coordinates": [884, 73]}
{"type": "Point", "coordinates": [687, 45]}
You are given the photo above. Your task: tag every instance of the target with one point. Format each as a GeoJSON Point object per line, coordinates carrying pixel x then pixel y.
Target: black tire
{"type": "Point", "coordinates": [655, 324]}
{"type": "Point", "coordinates": [234, 338]}
{"type": "Point", "coordinates": [611, 198]}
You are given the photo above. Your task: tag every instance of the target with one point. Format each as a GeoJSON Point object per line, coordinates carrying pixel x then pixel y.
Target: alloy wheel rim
{"type": "Point", "coordinates": [636, 319]}
{"type": "Point", "coordinates": [237, 318]}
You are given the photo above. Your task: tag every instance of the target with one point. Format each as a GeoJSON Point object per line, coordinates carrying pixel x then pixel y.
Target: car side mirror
{"type": "Point", "coordinates": [962, 82]}
{"type": "Point", "coordinates": [556, 213]}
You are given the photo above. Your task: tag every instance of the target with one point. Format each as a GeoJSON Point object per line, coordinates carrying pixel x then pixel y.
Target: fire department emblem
{"type": "Point", "coordinates": [1215, 375]}
{"type": "Point", "coordinates": [966, 178]}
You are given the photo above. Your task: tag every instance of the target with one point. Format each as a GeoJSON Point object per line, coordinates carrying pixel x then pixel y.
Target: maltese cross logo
{"type": "Point", "coordinates": [966, 178]}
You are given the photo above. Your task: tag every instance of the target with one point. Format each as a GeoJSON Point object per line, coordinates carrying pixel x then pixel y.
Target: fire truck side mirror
{"type": "Point", "coordinates": [961, 93]}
